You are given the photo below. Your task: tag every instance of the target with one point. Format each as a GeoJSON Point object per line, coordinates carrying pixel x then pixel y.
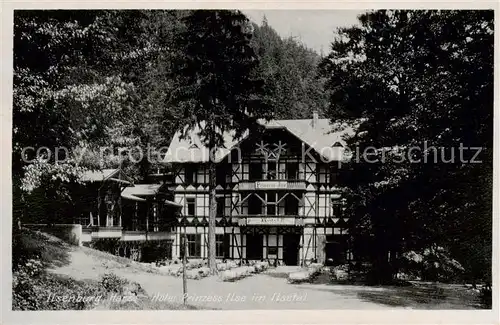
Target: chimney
{"type": "Point", "coordinates": [314, 121]}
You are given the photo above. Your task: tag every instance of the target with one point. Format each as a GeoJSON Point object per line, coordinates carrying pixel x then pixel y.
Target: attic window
{"type": "Point", "coordinates": [194, 146]}
{"type": "Point", "coordinates": [337, 144]}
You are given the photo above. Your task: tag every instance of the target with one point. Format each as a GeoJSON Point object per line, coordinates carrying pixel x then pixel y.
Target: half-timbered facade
{"type": "Point", "coordinates": [277, 196]}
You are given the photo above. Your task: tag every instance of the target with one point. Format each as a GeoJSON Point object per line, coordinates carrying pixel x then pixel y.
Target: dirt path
{"type": "Point", "coordinates": [261, 291]}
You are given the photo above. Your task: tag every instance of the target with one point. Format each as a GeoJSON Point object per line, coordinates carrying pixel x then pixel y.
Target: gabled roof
{"type": "Point", "coordinates": [192, 149]}
{"type": "Point", "coordinates": [139, 192]}
{"type": "Point", "coordinates": [114, 174]}
{"type": "Point", "coordinates": [323, 137]}
{"type": "Point", "coordinates": [99, 175]}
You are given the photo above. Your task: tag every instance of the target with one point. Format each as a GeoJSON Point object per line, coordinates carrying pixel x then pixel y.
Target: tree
{"type": "Point", "coordinates": [64, 93]}
{"type": "Point", "coordinates": [289, 69]}
{"type": "Point", "coordinates": [85, 79]}
{"type": "Point", "coordinates": [215, 86]}
{"type": "Point", "coordinates": [416, 79]}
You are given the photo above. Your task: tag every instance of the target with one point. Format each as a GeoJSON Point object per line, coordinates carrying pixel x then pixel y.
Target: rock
{"type": "Point", "coordinates": [314, 269]}
{"type": "Point", "coordinates": [193, 274]}
{"type": "Point", "coordinates": [228, 275]}
{"type": "Point", "coordinates": [204, 271]}
{"type": "Point", "coordinates": [298, 277]}
{"type": "Point", "coordinates": [222, 267]}
{"type": "Point", "coordinates": [261, 266]}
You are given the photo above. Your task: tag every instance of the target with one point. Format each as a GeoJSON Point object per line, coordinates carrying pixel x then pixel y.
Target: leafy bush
{"type": "Point", "coordinates": [243, 271]}
{"type": "Point", "coordinates": [32, 245]}
{"type": "Point", "coordinates": [307, 275]}
{"type": "Point", "coordinates": [340, 272]}
{"type": "Point", "coordinates": [21, 251]}
{"type": "Point", "coordinates": [485, 296]}
{"type": "Point", "coordinates": [113, 283]}
{"type": "Point", "coordinates": [105, 245]}
{"type": "Point", "coordinates": [433, 264]}
{"type": "Point", "coordinates": [34, 289]}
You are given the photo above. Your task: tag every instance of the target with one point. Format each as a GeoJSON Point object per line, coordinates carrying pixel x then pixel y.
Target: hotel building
{"type": "Point", "coordinates": [277, 194]}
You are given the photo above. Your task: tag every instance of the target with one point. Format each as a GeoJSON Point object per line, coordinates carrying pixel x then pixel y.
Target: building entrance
{"type": "Point", "coordinates": [254, 247]}
{"type": "Point", "coordinates": [291, 249]}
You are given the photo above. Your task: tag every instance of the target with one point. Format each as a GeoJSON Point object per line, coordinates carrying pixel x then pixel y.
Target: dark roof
{"type": "Point", "coordinates": [326, 139]}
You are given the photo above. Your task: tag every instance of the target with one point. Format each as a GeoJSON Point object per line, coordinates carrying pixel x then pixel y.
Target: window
{"type": "Point", "coordinates": [322, 173]}
{"type": "Point", "coordinates": [271, 203]}
{"type": "Point", "coordinates": [292, 170]}
{"type": "Point", "coordinates": [222, 246]}
{"type": "Point", "coordinates": [334, 175]}
{"type": "Point", "coordinates": [153, 226]}
{"type": "Point", "coordinates": [291, 205]}
{"type": "Point", "coordinates": [191, 206]}
{"type": "Point", "coordinates": [220, 175]}
{"type": "Point", "coordinates": [220, 205]}
{"type": "Point", "coordinates": [271, 209]}
{"type": "Point", "coordinates": [255, 171]}
{"type": "Point", "coordinates": [194, 245]}
{"type": "Point", "coordinates": [336, 208]}
{"type": "Point", "coordinates": [190, 173]}
{"type": "Point", "coordinates": [254, 205]}
{"type": "Point", "coordinates": [271, 170]}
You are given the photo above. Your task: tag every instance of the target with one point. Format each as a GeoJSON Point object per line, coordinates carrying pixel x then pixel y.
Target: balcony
{"type": "Point", "coordinates": [106, 232]}
{"type": "Point", "coordinates": [130, 235]}
{"type": "Point", "coordinates": [272, 185]}
{"type": "Point", "coordinates": [270, 220]}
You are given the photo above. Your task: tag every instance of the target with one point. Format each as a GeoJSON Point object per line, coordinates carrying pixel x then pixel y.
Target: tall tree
{"type": "Point", "coordinates": [64, 93]}
{"type": "Point", "coordinates": [417, 79]}
{"type": "Point", "coordinates": [215, 86]}
{"type": "Point", "coordinates": [289, 70]}
{"type": "Point", "coordinates": [85, 79]}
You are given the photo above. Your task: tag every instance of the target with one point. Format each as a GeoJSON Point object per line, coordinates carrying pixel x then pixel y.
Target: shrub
{"type": "Point", "coordinates": [307, 275]}
{"type": "Point", "coordinates": [243, 271]}
{"type": "Point", "coordinates": [485, 296]}
{"type": "Point", "coordinates": [340, 272]}
{"type": "Point", "coordinates": [299, 277]}
{"type": "Point", "coordinates": [433, 264]}
{"type": "Point", "coordinates": [34, 289]}
{"type": "Point", "coordinates": [112, 283]}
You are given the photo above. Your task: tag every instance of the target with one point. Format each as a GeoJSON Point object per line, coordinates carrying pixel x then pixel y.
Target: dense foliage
{"type": "Point", "coordinates": [216, 87]}
{"type": "Point", "coordinates": [292, 83]}
{"type": "Point", "coordinates": [91, 82]}
{"type": "Point", "coordinates": [33, 256]}
{"type": "Point", "coordinates": [418, 79]}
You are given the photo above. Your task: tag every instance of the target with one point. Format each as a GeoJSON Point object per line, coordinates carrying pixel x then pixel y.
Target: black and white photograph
{"type": "Point", "coordinates": [245, 159]}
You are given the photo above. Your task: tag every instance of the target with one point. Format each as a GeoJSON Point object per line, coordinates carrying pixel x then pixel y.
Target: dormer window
{"type": "Point", "coordinates": [255, 171]}
{"type": "Point", "coordinates": [194, 146]}
{"type": "Point", "coordinates": [271, 170]}
{"type": "Point", "coordinates": [292, 170]}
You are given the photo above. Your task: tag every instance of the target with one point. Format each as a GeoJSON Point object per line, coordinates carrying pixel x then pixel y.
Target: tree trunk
{"type": "Point", "coordinates": [211, 219]}
{"type": "Point", "coordinates": [184, 262]}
